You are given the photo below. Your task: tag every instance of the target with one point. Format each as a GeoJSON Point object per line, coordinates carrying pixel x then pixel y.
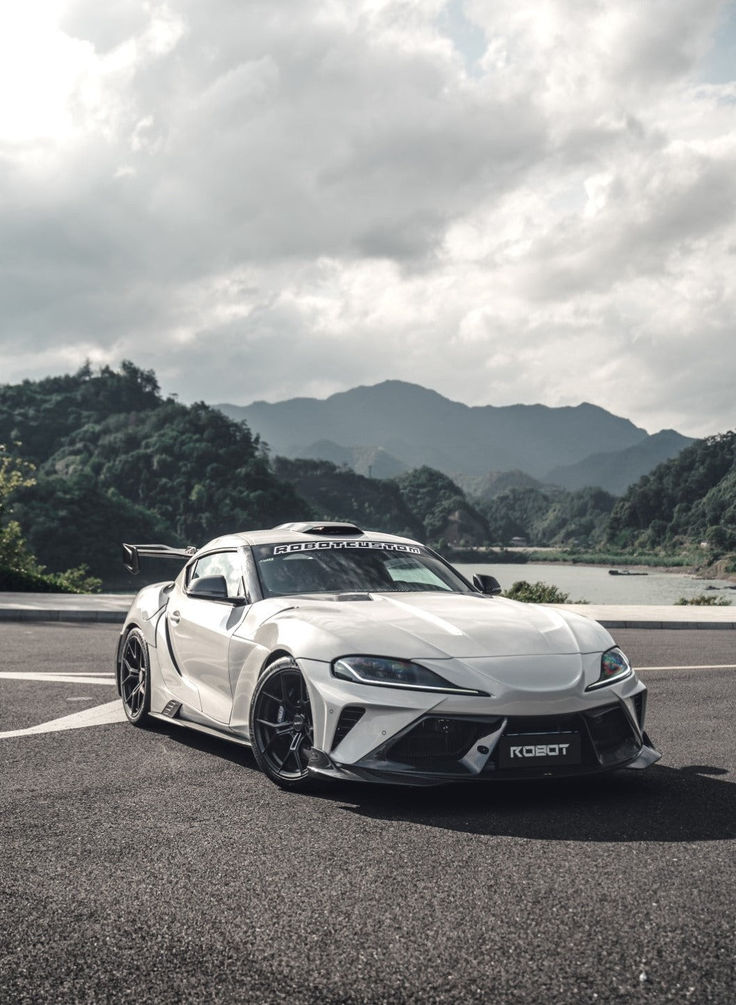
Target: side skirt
{"type": "Point", "coordinates": [201, 729]}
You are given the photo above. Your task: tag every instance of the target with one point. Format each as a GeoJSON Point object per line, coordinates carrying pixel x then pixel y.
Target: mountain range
{"type": "Point", "coordinates": [387, 428]}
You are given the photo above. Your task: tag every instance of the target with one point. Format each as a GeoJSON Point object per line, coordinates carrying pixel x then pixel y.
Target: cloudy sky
{"type": "Point", "coordinates": [504, 200]}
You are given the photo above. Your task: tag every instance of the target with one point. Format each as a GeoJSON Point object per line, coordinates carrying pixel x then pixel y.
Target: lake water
{"type": "Point", "coordinates": [594, 584]}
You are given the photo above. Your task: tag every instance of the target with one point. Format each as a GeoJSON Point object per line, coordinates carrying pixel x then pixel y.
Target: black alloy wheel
{"type": "Point", "coordinates": [281, 727]}
{"type": "Point", "coordinates": [135, 677]}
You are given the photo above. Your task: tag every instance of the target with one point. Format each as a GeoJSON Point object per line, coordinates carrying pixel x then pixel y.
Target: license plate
{"type": "Point", "coordinates": [532, 750]}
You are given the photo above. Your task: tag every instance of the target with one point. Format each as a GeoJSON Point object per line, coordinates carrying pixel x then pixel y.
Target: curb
{"type": "Point", "coordinates": [112, 608]}
{"type": "Point", "coordinates": [78, 617]}
{"type": "Point", "coordinates": [30, 614]}
{"type": "Point", "coordinates": [699, 625]}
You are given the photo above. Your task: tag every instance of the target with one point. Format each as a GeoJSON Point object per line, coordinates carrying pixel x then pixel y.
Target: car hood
{"type": "Point", "coordinates": [423, 626]}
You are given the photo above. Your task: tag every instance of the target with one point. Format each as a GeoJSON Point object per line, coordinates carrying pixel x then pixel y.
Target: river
{"type": "Point", "coordinates": [595, 585]}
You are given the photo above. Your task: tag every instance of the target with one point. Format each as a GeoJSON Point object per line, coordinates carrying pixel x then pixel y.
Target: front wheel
{"type": "Point", "coordinates": [281, 726]}
{"type": "Point", "coordinates": [135, 677]}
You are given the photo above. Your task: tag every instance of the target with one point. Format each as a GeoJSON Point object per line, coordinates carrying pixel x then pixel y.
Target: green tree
{"type": "Point", "coordinates": [19, 568]}
{"type": "Point", "coordinates": [442, 507]}
{"type": "Point", "coordinates": [681, 499]}
{"type": "Point", "coordinates": [15, 473]}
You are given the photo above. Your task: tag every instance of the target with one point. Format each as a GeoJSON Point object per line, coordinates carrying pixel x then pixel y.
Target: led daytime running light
{"type": "Point", "coordinates": [379, 671]}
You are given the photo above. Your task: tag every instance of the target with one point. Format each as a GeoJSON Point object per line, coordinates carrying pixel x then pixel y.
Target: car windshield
{"type": "Point", "coordinates": [352, 567]}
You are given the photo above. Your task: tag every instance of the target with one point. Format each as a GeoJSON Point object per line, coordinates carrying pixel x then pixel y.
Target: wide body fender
{"type": "Point", "coordinates": [144, 614]}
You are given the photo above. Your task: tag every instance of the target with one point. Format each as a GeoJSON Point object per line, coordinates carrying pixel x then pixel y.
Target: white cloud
{"type": "Point", "coordinates": [509, 202]}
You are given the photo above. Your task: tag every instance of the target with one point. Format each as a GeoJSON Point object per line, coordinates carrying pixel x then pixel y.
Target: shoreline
{"type": "Point", "coordinates": [498, 557]}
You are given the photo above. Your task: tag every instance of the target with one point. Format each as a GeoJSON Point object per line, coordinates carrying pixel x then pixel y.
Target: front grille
{"type": "Point", "coordinates": [542, 724]}
{"type": "Point", "coordinates": [606, 736]}
{"type": "Point", "coordinates": [348, 718]}
{"type": "Point", "coordinates": [519, 725]}
{"type": "Point", "coordinates": [437, 743]}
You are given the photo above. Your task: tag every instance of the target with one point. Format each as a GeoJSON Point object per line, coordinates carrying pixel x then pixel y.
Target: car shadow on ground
{"type": "Point", "coordinates": [695, 803]}
{"type": "Point", "coordinates": [687, 804]}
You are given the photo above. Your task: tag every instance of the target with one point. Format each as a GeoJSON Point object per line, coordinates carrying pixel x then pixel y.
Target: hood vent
{"type": "Point", "coordinates": [324, 527]}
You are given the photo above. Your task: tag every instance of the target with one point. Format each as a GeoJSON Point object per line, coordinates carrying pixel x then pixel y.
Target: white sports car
{"type": "Point", "coordinates": [339, 653]}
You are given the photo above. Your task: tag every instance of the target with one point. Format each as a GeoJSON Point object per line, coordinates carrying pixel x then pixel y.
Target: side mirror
{"type": "Point", "coordinates": [209, 588]}
{"type": "Point", "coordinates": [486, 584]}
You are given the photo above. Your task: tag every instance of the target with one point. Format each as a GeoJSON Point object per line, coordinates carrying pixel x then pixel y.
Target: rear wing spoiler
{"type": "Point", "coordinates": [132, 554]}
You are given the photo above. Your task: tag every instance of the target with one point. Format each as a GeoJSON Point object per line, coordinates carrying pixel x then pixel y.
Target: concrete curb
{"type": "Point", "coordinates": [80, 617]}
{"type": "Point", "coordinates": [699, 625]}
{"type": "Point", "coordinates": [112, 609]}
{"type": "Point", "coordinates": [655, 616]}
{"type": "Point", "coordinates": [74, 607]}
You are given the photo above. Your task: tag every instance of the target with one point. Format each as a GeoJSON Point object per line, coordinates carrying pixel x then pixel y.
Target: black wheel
{"type": "Point", "coordinates": [281, 726]}
{"type": "Point", "coordinates": [135, 677]}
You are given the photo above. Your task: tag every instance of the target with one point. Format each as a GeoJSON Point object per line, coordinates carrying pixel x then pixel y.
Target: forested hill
{"type": "Point", "coordinates": [116, 461]}
{"type": "Point", "coordinates": [40, 414]}
{"type": "Point", "coordinates": [689, 499]}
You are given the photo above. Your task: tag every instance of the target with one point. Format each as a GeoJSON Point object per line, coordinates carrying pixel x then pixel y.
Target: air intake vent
{"type": "Point", "coordinates": [436, 743]}
{"type": "Point", "coordinates": [612, 734]}
{"type": "Point", "coordinates": [640, 704]}
{"type": "Point", "coordinates": [348, 718]}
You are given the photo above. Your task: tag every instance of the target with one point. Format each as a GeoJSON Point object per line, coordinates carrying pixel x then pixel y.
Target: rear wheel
{"type": "Point", "coordinates": [281, 727]}
{"type": "Point", "coordinates": [135, 677]}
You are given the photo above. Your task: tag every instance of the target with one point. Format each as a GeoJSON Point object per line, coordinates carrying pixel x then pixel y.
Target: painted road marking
{"type": "Point", "coordinates": [100, 715]}
{"type": "Point", "coordinates": [81, 673]}
{"type": "Point", "coordinates": [59, 678]}
{"type": "Point", "coordinates": [705, 666]}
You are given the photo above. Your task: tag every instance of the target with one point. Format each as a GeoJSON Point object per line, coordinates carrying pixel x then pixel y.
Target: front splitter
{"type": "Point", "coordinates": [323, 766]}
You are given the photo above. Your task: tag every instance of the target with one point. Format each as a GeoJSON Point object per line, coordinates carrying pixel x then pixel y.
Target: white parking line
{"type": "Point", "coordinates": [59, 678]}
{"type": "Point", "coordinates": [84, 673]}
{"type": "Point", "coordinates": [100, 715]}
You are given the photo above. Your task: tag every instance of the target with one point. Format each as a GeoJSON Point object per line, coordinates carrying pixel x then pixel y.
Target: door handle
{"type": "Point", "coordinates": [175, 617]}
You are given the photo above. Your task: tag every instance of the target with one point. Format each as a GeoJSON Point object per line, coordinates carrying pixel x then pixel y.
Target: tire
{"type": "Point", "coordinates": [281, 726]}
{"type": "Point", "coordinates": [135, 678]}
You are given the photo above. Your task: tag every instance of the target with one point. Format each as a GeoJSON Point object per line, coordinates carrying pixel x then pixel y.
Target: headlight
{"type": "Point", "coordinates": [614, 667]}
{"type": "Point", "coordinates": [383, 672]}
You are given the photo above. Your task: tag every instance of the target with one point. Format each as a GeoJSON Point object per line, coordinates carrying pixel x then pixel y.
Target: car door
{"type": "Point", "coordinates": [200, 627]}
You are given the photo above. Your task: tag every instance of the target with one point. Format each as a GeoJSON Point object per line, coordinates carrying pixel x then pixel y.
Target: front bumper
{"type": "Point", "coordinates": [436, 749]}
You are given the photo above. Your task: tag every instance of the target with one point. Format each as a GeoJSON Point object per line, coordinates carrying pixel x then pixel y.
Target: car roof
{"type": "Point", "coordinates": [315, 530]}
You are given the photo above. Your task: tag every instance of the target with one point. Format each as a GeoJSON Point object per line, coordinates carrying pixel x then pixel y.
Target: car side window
{"type": "Point", "coordinates": [220, 563]}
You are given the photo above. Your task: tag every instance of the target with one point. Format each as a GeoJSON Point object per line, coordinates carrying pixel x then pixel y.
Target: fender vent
{"type": "Point", "coordinates": [348, 718]}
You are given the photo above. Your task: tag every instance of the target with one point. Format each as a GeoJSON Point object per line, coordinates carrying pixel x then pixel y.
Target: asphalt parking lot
{"type": "Point", "coordinates": [161, 866]}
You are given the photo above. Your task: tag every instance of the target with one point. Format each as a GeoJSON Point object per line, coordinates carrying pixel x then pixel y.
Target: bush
{"type": "Point", "coordinates": [71, 581]}
{"type": "Point", "coordinates": [704, 600]}
{"type": "Point", "coordinates": [536, 593]}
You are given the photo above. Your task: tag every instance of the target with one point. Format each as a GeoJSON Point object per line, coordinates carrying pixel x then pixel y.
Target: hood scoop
{"type": "Point", "coordinates": [307, 599]}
